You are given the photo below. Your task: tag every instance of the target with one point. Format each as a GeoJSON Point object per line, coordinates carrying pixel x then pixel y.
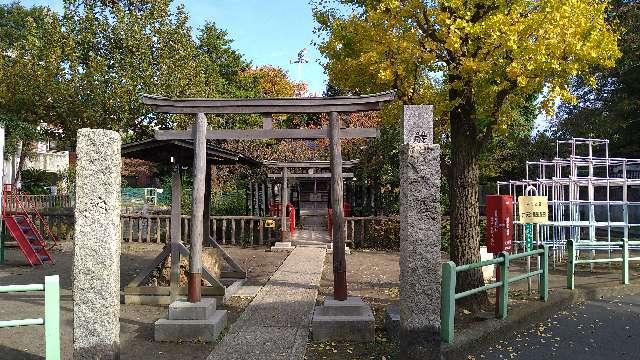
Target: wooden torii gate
{"type": "Point", "coordinates": [267, 107]}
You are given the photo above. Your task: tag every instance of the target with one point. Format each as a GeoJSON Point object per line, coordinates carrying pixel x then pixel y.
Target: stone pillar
{"type": "Point", "coordinates": [96, 258]}
{"type": "Point", "coordinates": [420, 264]}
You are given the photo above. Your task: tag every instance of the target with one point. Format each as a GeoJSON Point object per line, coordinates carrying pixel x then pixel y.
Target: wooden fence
{"type": "Point", "coordinates": [362, 232]}
{"type": "Point", "coordinates": [39, 201]}
{"type": "Point", "coordinates": [235, 230]}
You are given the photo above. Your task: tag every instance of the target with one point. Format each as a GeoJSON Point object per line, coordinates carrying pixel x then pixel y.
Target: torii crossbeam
{"type": "Point", "coordinates": [267, 107]}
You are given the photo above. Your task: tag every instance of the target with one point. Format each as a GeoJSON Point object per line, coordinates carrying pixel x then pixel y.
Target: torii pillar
{"type": "Point", "coordinates": [339, 258]}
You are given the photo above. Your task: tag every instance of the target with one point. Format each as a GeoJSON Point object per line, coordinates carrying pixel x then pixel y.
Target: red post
{"type": "Point", "coordinates": [292, 218]}
{"type": "Point", "coordinates": [499, 230]}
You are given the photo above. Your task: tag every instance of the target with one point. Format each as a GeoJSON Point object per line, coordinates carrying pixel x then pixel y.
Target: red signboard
{"type": "Point", "coordinates": [499, 223]}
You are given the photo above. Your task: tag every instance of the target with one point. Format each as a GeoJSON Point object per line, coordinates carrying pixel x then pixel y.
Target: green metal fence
{"type": "Point", "coordinates": [574, 247]}
{"type": "Point", "coordinates": [449, 295]}
{"type": "Point", "coordinates": [51, 321]}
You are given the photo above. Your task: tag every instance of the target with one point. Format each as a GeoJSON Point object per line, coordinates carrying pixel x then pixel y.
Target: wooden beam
{"type": "Point", "coordinates": [176, 230]}
{"type": "Point", "coordinates": [206, 274]}
{"type": "Point", "coordinates": [146, 272]}
{"type": "Point", "coordinates": [262, 134]}
{"type": "Point", "coordinates": [339, 259]}
{"type": "Point", "coordinates": [199, 174]}
{"type": "Point", "coordinates": [237, 268]}
{"type": "Point", "coordinates": [267, 121]}
{"type": "Point", "coordinates": [268, 105]}
{"type": "Point", "coordinates": [317, 164]}
{"type": "Point", "coordinates": [206, 217]}
{"type": "Point", "coordinates": [310, 176]}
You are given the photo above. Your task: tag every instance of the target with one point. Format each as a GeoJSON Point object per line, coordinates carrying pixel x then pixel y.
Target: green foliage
{"type": "Point", "coordinates": [229, 203]}
{"type": "Point", "coordinates": [36, 181]}
{"type": "Point", "coordinates": [17, 130]}
{"type": "Point", "coordinates": [504, 156]}
{"type": "Point", "coordinates": [611, 110]}
{"type": "Point", "coordinates": [119, 50]}
{"type": "Point", "coordinates": [31, 70]}
{"type": "Point", "coordinates": [88, 67]}
{"type": "Point", "coordinates": [67, 181]}
{"type": "Point", "coordinates": [379, 164]}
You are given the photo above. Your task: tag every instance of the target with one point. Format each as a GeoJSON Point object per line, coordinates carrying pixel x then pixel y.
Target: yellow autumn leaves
{"type": "Point", "coordinates": [488, 45]}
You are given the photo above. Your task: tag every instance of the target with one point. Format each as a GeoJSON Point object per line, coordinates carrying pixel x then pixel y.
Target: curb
{"type": "Point", "coordinates": [591, 293]}
{"type": "Point", "coordinates": [477, 337]}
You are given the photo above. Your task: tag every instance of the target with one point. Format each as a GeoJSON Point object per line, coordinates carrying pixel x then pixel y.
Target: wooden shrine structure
{"type": "Point", "coordinates": [199, 135]}
{"type": "Point", "coordinates": [309, 182]}
{"type": "Point", "coordinates": [179, 154]}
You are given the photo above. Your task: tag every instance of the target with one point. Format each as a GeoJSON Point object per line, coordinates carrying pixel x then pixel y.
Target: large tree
{"type": "Point", "coordinates": [118, 50]}
{"type": "Point", "coordinates": [32, 71]}
{"type": "Point", "coordinates": [88, 66]}
{"type": "Point", "coordinates": [610, 110]}
{"type": "Point", "coordinates": [477, 61]}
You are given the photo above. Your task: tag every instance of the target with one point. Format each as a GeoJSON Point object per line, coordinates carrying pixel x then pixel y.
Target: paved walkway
{"type": "Point", "coordinates": [310, 237]}
{"type": "Point", "coordinates": [276, 323]}
{"type": "Point", "coordinates": [602, 329]}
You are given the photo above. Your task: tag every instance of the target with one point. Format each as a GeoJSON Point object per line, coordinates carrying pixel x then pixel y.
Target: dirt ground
{"type": "Point", "coordinates": [136, 321]}
{"type": "Point", "coordinates": [375, 276]}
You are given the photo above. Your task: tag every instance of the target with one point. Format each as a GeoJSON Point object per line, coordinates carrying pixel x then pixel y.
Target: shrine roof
{"type": "Point", "coordinates": [161, 152]}
{"type": "Point", "coordinates": [268, 105]}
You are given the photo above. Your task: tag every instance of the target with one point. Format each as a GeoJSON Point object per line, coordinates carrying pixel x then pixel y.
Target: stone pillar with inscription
{"type": "Point", "coordinates": [420, 264]}
{"type": "Point", "coordinates": [96, 255]}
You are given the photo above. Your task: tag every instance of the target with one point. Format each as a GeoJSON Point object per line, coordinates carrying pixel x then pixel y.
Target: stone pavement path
{"type": "Point", "coordinates": [276, 323]}
{"type": "Point", "coordinates": [310, 237]}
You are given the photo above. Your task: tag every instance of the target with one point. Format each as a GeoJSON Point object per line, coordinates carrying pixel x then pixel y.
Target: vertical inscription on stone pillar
{"type": "Point", "coordinates": [420, 272]}
{"type": "Point", "coordinates": [96, 259]}
{"type": "Point", "coordinates": [418, 124]}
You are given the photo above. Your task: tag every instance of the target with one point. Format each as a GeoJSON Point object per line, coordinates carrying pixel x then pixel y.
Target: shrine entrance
{"type": "Point", "coordinates": [199, 134]}
{"type": "Point", "coordinates": [309, 189]}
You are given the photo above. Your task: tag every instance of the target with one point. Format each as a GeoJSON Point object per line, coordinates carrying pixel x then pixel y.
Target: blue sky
{"type": "Point", "coordinates": [265, 31]}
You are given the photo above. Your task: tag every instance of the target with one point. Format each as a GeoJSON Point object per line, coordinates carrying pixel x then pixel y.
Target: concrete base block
{"type": "Point", "coordinates": [330, 249]}
{"type": "Point", "coordinates": [392, 322]}
{"type": "Point", "coordinates": [191, 330]}
{"type": "Point", "coordinates": [155, 299]}
{"type": "Point", "coordinates": [282, 246]}
{"type": "Point", "coordinates": [350, 320]}
{"type": "Point", "coordinates": [184, 310]}
{"type": "Point", "coordinates": [351, 301]}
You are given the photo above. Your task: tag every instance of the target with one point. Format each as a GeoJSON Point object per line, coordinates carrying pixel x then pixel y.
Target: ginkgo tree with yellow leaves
{"type": "Point", "coordinates": [476, 61]}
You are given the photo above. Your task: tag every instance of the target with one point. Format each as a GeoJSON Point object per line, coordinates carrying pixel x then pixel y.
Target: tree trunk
{"type": "Point", "coordinates": [17, 177]}
{"type": "Point", "coordinates": [465, 172]}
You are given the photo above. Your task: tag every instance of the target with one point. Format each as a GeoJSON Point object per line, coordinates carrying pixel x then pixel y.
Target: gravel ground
{"type": "Point", "coordinates": [136, 330]}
